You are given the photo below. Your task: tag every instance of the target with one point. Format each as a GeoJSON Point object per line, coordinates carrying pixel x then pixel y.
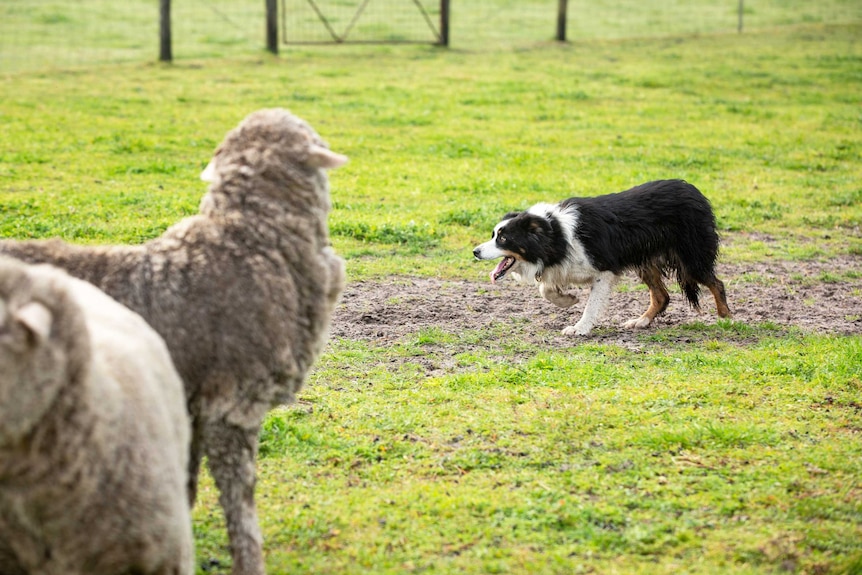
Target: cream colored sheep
{"type": "Point", "coordinates": [93, 434]}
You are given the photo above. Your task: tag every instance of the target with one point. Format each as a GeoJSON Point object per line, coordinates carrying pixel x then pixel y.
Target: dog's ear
{"type": "Point", "coordinates": [36, 318]}
{"type": "Point", "coordinates": [320, 157]}
{"type": "Point", "coordinates": [540, 226]}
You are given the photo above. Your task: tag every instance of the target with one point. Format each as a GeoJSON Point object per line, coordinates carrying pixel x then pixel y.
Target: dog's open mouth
{"type": "Point", "coordinates": [504, 266]}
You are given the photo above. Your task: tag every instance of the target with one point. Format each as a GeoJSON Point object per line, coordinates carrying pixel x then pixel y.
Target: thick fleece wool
{"type": "Point", "coordinates": [242, 293]}
{"type": "Point", "coordinates": [94, 434]}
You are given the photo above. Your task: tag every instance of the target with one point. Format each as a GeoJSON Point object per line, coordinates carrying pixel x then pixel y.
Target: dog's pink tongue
{"type": "Point", "coordinates": [497, 270]}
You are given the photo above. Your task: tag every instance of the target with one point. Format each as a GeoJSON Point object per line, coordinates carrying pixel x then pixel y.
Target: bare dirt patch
{"type": "Point", "coordinates": [817, 297]}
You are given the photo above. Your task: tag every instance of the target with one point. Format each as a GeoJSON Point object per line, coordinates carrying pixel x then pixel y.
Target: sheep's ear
{"type": "Point", "coordinates": [209, 173]}
{"type": "Point", "coordinates": [320, 157]}
{"type": "Point", "coordinates": [36, 318]}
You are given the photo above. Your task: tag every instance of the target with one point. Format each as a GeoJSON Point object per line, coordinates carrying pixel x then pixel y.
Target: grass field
{"type": "Point", "coordinates": [735, 452]}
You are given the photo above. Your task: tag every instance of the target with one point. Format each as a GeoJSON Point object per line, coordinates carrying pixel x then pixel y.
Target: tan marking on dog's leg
{"type": "Point", "coordinates": [720, 295]}
{"type": "Point", "coordinates": [658, 298]}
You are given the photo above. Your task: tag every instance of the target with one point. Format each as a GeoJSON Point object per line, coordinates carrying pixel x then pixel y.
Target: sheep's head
{"type": "Point", "coordinates": [43, 346]}
{"type": "Point", "coordinates": [275, 147]}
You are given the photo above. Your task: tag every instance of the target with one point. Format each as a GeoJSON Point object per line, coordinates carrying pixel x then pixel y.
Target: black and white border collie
{"type": "Point", "coordinates": [655, 229]}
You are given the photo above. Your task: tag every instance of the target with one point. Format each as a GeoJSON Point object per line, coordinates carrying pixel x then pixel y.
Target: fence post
{"type": "Point", "coordinates": [444, 23]}
{"type": "Point", "coordinates": [272, 26]}
{"type": "Point", "coordinates": [562, 9]}
{"type": "Point", "coordinates": [165, 52]}
{"type": "Point", "coordinates": [739, 24]}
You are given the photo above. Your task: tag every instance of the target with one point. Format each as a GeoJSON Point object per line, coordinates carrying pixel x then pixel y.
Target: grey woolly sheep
{"type": "Point", "coordinates": [242, 293]}
{"type": "Point", "coordinates": [94, 434]}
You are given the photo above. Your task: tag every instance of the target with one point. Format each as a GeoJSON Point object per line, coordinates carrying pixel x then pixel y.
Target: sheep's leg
{"type": "Point", "coordinates": [196, 453]}
{"type": "Point", "coordinates": [231, 453]}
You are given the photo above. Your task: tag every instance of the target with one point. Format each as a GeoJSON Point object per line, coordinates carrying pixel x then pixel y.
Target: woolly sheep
{"type": "Point", "coordinates": [93, 434]}
{"type": "Point", "coordinates": [241, 292]}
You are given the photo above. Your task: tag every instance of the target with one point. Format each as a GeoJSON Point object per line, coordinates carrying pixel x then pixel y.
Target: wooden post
{"type": "Point", "coordinates": [444, 23]}
{"type": "Point", "coordinates": [165, 51]}
{"type": "Point", "coordinates": [562, 9]}
{"type": "Point", "coordinates": [272, 26]}
{"type": "Point", "coordinates": [739, 24]}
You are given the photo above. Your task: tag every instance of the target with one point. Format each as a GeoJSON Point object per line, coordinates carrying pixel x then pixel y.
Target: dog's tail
{"type": "Point", "coordinates": [697, 254]}
{"type": "Point", "coordinates": [690, 288]}
{"type": "Point", "coordinates": [694, 244]}
{"type": "Point", "coordinates": [696, 265]}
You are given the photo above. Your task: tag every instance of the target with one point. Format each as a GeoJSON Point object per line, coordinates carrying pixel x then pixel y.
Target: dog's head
{"type": "Point", "coordinates": [273, 145]}
{"type": "Point", "coordinates": [525, 240]}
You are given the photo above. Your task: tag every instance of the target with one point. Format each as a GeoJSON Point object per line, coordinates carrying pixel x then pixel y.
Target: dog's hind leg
{"type": "Point", "coordinates": [690, 287]}
{"type": "Point", "coordinates": [231, 451]}
{"type": "Point", "coordinates": [600, 295]}
{"type": "Point", "coordinates": [716, 286]}
{"type": "Point", "coordinates": [658, 297]}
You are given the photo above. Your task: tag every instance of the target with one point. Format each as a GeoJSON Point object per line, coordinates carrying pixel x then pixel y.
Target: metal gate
{"type": "Point", "coordinates": [365, 21]}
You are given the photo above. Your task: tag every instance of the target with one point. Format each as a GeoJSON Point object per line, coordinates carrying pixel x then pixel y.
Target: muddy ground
{"type": "Point", "coordinates": [819, 297]}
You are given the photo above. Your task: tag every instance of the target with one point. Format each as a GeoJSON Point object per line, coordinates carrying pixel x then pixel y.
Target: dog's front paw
{"type": "Point", "coordinates": [562, 299]}
{"type": "Point", "coordinates": [639, 323]}
{"type": "Point", "coordinates": [557, 297]}
{"type": "Point", "coordinates": [576, 330]}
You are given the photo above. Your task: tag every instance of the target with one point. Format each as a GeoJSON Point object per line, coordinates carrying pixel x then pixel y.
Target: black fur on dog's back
{"type": "Point", "coordinates": [668, 224]}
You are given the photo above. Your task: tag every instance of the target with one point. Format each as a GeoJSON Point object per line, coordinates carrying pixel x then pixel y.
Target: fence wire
{"type": "Point", "coordinates": [361, 21]}
{"type": "Point", "coordinates": [44, 34]}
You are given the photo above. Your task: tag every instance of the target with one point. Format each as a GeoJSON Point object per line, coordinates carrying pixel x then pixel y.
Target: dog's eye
{"type": "Point", "coordinates": [501, 239]}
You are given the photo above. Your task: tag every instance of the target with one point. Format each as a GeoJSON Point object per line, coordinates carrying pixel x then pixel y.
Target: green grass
{"type": "Point", "coordinates": [736, 452]}
{"type": "Point", "coordinates": [444, 142]}
{"type": "Point", "coordinates": [723, 459]}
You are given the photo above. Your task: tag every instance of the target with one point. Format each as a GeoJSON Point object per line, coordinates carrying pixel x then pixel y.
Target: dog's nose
{"type": "Point", "coordinates": [476, 252]}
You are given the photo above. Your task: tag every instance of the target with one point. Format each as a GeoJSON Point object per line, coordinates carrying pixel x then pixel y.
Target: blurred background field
{"type": "Point", "coordinates": [444, 141]}
{"type": "Point", "coordinates": [44, 34]}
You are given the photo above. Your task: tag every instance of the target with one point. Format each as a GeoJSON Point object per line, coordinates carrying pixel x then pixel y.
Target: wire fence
{"type": "Point", "coordinates": [360, 21]}
{"type": "Point", "coordinates": [44, 34]}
